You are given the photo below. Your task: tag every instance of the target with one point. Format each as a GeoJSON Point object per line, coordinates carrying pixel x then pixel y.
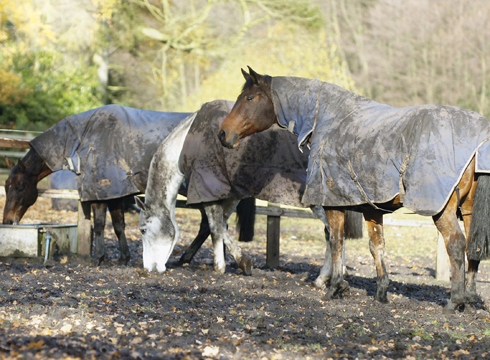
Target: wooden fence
{"type": "Point", "coordinates": [273, 214]}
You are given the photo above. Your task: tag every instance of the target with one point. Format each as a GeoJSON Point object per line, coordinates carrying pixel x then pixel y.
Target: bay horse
{"type": "Point", "coordinates": [335, 121]}
{"type": "Point", "coordinates": [192, 154]}
{"type": "Point", "coordinates": [21, 185]}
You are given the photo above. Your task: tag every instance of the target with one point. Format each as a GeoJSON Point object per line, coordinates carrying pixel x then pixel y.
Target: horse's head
{"type": "Point", "coordinates": [160, 233]}
{"type": "Point", "coordinates": [21, 191]}
{"type": "Point", "coordinates": [253, 111]}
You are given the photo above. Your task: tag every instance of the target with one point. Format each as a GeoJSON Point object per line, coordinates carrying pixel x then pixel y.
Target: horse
{"type": "Point", "coordinates": [110, 149]}
{"type": "Point", "coordinates": [374, 159]}
{"type": "Point", "coordinates": [216, 179]}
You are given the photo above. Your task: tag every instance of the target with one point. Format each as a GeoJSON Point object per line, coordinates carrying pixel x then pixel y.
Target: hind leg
{"type": "Point", "coordinates": [336, 226]}
{"type": "Point", "coordinates": [99, 209]}
{"type": "Point", "coordinates": [374, 222]}
{"type": "Point", "coordinates": [116, 208]}
{"type": "Point", "coordinates": [466, 210]}
{"type": "Point", "coordinates": [447, 224]}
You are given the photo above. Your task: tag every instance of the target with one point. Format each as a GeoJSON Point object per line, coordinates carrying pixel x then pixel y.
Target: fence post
{"type": "Point", "coordinates": [273, 240]}
{"type": "Point", "coordinates": [84, 229]}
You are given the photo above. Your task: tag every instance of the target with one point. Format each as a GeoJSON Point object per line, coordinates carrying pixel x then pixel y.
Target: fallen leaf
{"type": "Point", "coordinates": [66, 328]}
{"type": "Point", "coordinates": [210, 351]}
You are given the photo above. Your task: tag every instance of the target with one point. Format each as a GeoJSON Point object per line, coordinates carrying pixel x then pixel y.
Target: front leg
{"type": "Point", "coordinates": [99, 209]}
{"type": "Point", "coordinates": [116, 208]}
{"type": "Point", "coordinates": [336, 224]}
{"type": "Point", "coordinates": [374, 222]}
{"type": "Point", "coordinates": [214, 212]}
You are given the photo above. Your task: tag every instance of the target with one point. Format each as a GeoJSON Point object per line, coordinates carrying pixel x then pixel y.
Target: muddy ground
{"type": "Point", "coordinates": [70, 310]}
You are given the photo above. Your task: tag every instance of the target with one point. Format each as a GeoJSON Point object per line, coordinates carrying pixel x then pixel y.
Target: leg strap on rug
{"type": "Point", "coordinates": [353, 176]}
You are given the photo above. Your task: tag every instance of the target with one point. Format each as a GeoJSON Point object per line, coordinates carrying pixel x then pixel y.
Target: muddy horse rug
{"type": "Point", "coordinates": [267, 166]}
{"type": "Point", "coordinates": [366, 152]}
{"type": "Point", "coordinates": [109, 148]}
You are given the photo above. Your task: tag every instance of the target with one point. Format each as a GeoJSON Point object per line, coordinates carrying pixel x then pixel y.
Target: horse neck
{"type": "Point", "coordinates": [314, 99]}
{"type": "Point", "coordinates": [165, 177]}
{"type": "Point", "coordinates": [35, 165]}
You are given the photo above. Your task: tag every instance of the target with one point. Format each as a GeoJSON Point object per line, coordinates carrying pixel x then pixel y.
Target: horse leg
{"type": "Point", "coordinates": [466, 210]}
{"type": "Point", "coordinates": [244, 262]}
{"type": "Point", "coordinates": [116, 208]}
{"type": "Point", "coordinates": [326, 270]}
{"type": "Point", "coordinates": [447, 224]}
{"type": "Point", "coordinates": [374, 222]}
{"type": "Point", "coordinates": [214, 212]}
{"type": "Point", "coordinates": [99, 209]}
{"type": "Point", "coordinates": [198, 241]}
{"type": "Point", "coordinates": [336, 226]}
{"type": "Point", "coordinates": [218, 214]}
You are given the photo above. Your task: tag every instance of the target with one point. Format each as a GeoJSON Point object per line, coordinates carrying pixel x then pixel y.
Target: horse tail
{"type": "Point", "coordinates": [479, 241]}
{"type": "Point", "coordinates": [353, 225]}
{"type": "Point", "coordinates": [246, 219]}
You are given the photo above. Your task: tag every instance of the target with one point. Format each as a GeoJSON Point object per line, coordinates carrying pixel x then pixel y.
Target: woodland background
{"type": "Point", "coordinates": [60, 57]}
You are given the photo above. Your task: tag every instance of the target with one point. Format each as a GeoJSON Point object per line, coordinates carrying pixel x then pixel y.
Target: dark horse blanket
{"type": "Point", "coordinates": [110, 148]}
{"type": "Point", "coordinates": [267, 166]}
{"type": "Point", "coordinates": [366, 152]}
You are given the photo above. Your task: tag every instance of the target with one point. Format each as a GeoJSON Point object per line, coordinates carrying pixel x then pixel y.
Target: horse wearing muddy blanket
{"type": "Point", "coordinates": [217, 178]}
{"type": "Point", "coordinates": [375, 158]}
{"type": "Point", "coordinates": [110, 149]}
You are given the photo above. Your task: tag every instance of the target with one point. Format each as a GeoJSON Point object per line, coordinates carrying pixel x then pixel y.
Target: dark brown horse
{"type": "Point", "coordinates": [264, 102]}
{"type": "Point", "coordinates": [21, 191]}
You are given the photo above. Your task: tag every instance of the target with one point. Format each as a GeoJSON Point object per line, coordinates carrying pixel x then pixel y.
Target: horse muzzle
{"type": "Point", "coordinates": [230, 144]}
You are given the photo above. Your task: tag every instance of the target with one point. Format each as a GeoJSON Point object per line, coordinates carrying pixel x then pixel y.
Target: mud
{"type": "Point", "coordinates": [71, 310]}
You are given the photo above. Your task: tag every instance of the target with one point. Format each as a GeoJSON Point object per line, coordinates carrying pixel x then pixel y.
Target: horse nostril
{"type": "Point", "coordinates": [222, 136]}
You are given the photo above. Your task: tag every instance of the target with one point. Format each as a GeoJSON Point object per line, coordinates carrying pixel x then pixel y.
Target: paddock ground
{"type": "Point", "coordinates": [69, 310]}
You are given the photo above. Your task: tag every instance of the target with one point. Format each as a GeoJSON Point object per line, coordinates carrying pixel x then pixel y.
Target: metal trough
{"type": "Point", "coordinates": [30, 240]}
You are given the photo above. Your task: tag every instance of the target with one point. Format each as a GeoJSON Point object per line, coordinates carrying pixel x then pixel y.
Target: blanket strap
{"type": "Point", "coordinates": [354, 178]}
{"type": "Point", "coordinates": [401, 187]}
{"type": "Point", "coordinates": [71, 166]}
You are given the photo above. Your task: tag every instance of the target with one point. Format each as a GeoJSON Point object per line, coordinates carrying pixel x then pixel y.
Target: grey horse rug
{"type": "Point", "coordinates": [110, 148]}
{"type": "Point", "coordinates": [267, 166]}
{"type": "Point", "coordinates": [363, 152]}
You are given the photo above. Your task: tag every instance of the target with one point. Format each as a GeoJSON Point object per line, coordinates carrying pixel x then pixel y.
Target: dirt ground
{"type": "Point", "coordinates": [70, 310]}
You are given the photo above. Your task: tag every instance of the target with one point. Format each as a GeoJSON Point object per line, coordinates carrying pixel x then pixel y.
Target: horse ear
{"type": "Point", "coordinates": [246, 75]}
{"type": "Point", "coordinates": [253, 75]}
{"type": "Point", "coordinates": [21, 165]}
{"type": "Point", "coordinates": [139, 203]}
{"type": "Point", "coordinates": [9, 162]}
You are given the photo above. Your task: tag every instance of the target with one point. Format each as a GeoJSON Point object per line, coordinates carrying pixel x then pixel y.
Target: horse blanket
{"type": "Point", "coordinates": [267, 166]}
{"type": "Point", "coordinates": [110, 148]}
{"type": "Point", "coordinates": [364, 152]}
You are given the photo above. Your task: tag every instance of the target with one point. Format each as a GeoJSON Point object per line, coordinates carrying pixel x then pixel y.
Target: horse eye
{"type": "Point", "coordinates": [249, 98]}
{"type": "Point", "coordinates": [143, 231]}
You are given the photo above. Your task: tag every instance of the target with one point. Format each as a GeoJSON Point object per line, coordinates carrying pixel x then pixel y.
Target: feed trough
{"type": "Point", "coordinates": [31, 240]}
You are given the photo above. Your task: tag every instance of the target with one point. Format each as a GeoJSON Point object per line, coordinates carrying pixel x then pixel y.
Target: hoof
{"type": "Point", "coordinates": [451, 307]}
{"type": "Point", "coordinates": [97, 261]}
{"type": "Point", "coordinates": [219, 270]}
{"type": "Point", "coordinates": [319, 283]}
{"type": "Point", "coordinates": [123, 261]}
{"type": "Point", "coordinates": [246, 264]}
{"type": "Point", "coordinates": [344, 286]}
